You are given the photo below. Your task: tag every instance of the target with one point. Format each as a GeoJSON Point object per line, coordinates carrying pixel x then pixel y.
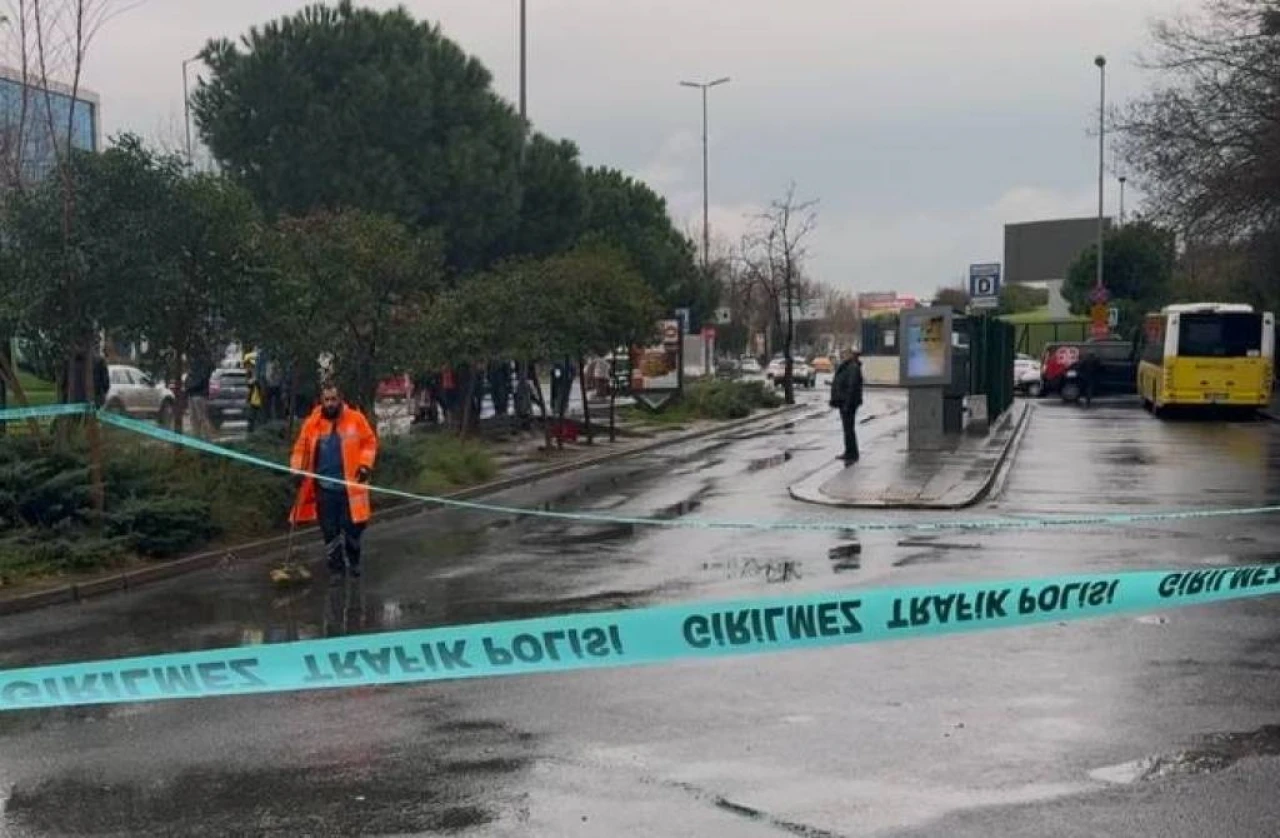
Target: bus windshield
{"type": "Point", "coordinates": [1233, 335]}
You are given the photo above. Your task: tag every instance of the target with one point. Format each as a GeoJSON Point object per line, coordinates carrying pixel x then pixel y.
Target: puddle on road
{"type": "Point", "coordinates": [772, 461]}
{"type": "Point", "coordinates": [678, 510]}
{"type": "Point", "coordinates": [845, 557]}
{"type": "Point", "coordinates": [937, 545]}
{"type": "Point", "coordinates": [773, 572]}
{"type": "Point", "coordinates": [1218, 752]}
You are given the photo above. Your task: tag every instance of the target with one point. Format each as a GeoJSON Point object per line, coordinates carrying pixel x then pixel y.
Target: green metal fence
{"type": "Point", "coordinates": [992, 345]}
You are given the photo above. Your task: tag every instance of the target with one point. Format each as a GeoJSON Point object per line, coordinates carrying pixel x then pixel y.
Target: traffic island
{"type": "Point", "coordinates": [890, 476]}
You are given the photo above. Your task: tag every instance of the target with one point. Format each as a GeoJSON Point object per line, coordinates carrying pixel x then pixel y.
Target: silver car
{"type": "Point", "coordinates": [134, 393]}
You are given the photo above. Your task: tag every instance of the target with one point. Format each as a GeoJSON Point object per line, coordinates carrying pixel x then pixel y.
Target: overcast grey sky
{"type": "Point", "coordinates": [921, 126]}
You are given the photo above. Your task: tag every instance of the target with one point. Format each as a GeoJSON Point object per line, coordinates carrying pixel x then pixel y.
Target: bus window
{"type": "Point", "coordinates": [1220, 335]}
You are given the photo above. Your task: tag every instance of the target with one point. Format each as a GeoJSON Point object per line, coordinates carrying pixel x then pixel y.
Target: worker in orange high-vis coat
{"type": "Point", "coordinates": [336, 443]}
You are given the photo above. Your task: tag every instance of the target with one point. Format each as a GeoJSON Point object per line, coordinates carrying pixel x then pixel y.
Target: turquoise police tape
{"type": "Point", "coordinates": [44, 411]}
{"type": "Point", "coordinates": [841, 525]}
{"type": "Point", "coordinates": [698, 631]}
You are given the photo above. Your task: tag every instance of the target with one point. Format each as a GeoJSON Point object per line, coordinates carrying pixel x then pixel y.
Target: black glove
{"type": "Point", "coordinates": [362, 474]}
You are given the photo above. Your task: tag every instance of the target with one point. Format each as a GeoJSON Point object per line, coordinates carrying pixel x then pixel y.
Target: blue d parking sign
{"type": "Point", "coordinates": [984, 284]}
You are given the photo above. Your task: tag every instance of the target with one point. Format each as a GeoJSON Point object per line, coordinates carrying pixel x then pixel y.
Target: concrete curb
{"type": "Point", "coordinates": [393, 511]}
{"type": "Point", "coordinates": [815, 496]}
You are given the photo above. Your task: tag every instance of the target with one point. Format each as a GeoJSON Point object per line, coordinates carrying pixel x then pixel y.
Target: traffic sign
{"type": "Point", "coordinates": [1099, 295]}
{"type": "Point", "coordinates": [684, 315]}
{"type": "Point", "coordinates": [984, 285]}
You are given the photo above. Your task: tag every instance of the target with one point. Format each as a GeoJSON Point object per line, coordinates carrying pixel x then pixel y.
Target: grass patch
{"type": "Point", "coordinates": [38, 391]}
{"type": "Point", "coordinates": [164, 502]}
{"type": "Point", "coordinates": [714, 400]}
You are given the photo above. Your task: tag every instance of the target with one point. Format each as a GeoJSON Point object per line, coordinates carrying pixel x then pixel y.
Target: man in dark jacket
{"type": "Point", "coordinates": [846, 396]}
{"type": "Point", "coordinates": [1090, 371]}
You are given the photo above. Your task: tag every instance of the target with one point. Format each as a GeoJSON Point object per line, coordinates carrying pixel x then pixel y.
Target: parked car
{"type": "Point", "coordinates": [728, 368]}
{"type": "Point", "coordinates": [749, 365]}
{"type": "Point", "coordinates": [228, 395]}
{"type": "Point", "coordinates": [801, 373]}
{"type": "Point", "coordinates": [1117, 373]}
{"type": "Point", "coordinates": [822, 364]}
{"type": "Point", "coordinates": [1026, 376]}
{"type": "Point", "coordinates": [134, 393]}
{"type": "Point", "coordinates": [1060, 357]}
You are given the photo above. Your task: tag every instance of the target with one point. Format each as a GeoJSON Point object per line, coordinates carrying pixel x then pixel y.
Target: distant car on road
{"type": "Point", "coordinates": [228, 395]}
{"type": "Point", "coordinates": [822, 364]}
{"type": "Point", "coordinates": [134, 393]}
{"type": "Point", "coordinates": [801, 373]}
{"type": "Point", "coordinates": [749, 365]}
{"type": "Point", "coordinates": [1026, 376]}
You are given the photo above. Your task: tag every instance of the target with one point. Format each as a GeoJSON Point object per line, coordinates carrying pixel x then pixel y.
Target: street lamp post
{"type": "Point", "coordinates": [186, 108]}
{"type": "Point", "coordinates": [706, 212]}
{"type": "Point", "coordinates": [1122, 180]}
{"type": "Point", "coordinates": [1101, 63]}
{"type": "Point", "coordinates": [524, 107]}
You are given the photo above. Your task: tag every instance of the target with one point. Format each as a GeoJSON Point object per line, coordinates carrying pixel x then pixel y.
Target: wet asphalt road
{"type": "Point", "coordinates": [1022, 732]}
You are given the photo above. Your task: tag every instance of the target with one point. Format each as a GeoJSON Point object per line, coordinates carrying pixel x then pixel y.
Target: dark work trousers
{"type": "Point", "coordinates": [341, 534]}
{"type": "Point", "coordinates": [849, 418]}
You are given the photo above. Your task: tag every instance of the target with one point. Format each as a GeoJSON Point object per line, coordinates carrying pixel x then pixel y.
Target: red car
{"type": "Point", "coordinates": [397, 388]}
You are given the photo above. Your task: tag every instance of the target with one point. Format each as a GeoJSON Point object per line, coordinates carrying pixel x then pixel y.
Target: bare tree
{"type": "Point", "coordinates": [47, 42]}
{"type": "Point", "coordinates": [1203, 145]}
{"type": "Point", "coordinates": [772, 259]}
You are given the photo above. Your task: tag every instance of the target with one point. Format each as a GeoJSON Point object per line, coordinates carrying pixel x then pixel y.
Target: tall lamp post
{"type": "Point", "coordinates": [1101, 63]}
{"type": "Point", "coordinates": [706, 212]}
{"type": "Point", "coordinates": [186, 108]}
{"type": "Point", "coordinates": [1122, 180]}
{"type": "Point", "coordinates": [524, 106]}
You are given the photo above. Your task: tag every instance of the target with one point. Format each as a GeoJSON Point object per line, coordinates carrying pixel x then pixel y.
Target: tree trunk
{"type": "Point", "coordinates": [613, 399]}
{"type": "Point", "coordinates": [468, 395]}
{"type": "Point", "coordinates": [789, 384]}
{"type": "Point", "coordinates": [180, 399]}
{"type": "Point", "coordinates": [542, 409]}
{"type": "Point", "coordinates": [586, 408]}
{"type": "Point", "coordinates": [15, 385]}
{"type": "Point", "coordinates": [291, 398]}
{"type": "Point", "coordinates": [562, 402]}
{"type": "Point", "coordinates": [97, 491]}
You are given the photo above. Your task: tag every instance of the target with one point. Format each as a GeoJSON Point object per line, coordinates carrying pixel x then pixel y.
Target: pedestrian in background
{"type": "Point", "coordinates": [197, 392]}
{"type": "Point", "coordinates": [846, 396]}
{"type": "Point", "coordinates": [336, 443]}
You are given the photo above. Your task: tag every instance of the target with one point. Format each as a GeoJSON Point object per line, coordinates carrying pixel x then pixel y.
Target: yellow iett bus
{"type": "Point", "coordinates": [1207, 354]}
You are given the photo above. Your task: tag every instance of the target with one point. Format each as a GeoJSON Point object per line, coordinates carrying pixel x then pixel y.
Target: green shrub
{"type": "Point", "coordinates": [162, 527]}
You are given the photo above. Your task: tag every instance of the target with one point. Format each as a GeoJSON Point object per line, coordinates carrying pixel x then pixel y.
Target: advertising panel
{"type": "Point", "coordinates": [926, 347]}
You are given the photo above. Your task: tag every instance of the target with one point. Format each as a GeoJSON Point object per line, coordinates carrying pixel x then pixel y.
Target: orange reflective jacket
{"type": "Point", "coordinates": [359, 448]}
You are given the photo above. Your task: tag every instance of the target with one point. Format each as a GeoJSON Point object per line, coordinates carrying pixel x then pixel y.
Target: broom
{"type": "Point", "coordinates": [289, 573]}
